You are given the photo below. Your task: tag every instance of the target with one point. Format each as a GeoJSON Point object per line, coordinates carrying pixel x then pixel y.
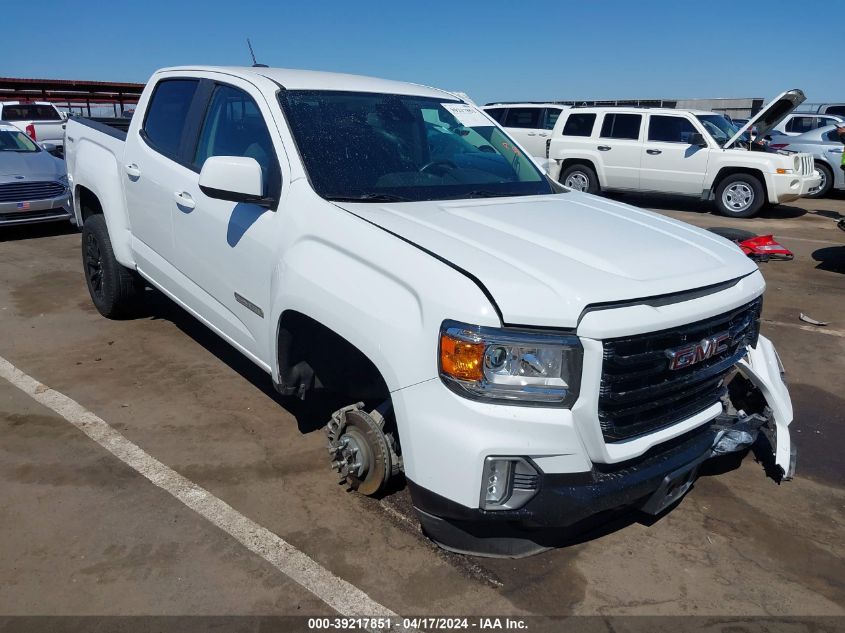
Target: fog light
{"type": "Point", "coordinates": [508, 483]}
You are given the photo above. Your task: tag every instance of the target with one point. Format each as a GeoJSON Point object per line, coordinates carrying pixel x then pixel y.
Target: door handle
{"type": "Point", "coordinates": [184, 199]}
{"type": "Point", "coordinates": [654, 152]}
{"type": "Point", "coordinates": [133, 171]}
{"type": "Point", "coordinates": [542, 134]}
{"type": "Point", "coordinates": [532, 134]}
{"type": "Point", "coordinates": [604, 148]}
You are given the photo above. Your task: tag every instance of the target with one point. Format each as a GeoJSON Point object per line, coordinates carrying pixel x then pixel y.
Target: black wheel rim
{"type": "Point", "coordinates": [94, 265]}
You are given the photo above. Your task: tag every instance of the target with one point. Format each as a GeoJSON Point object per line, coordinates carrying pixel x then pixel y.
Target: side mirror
{"type": "Point", "coordinates": [233, 178]}
{"type": "Point", "coordinates": [697, 138]}
{"type": "Point", "coordinates": [48, 147]}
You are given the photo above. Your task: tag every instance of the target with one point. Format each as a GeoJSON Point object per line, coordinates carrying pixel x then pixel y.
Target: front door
{"type": "Point", "coordinates": [228, 250]}
{"type": "Point", "coordinates": [669, 163]}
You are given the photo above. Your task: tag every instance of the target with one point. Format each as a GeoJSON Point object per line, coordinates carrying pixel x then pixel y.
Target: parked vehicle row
{"type": "Point", "coordinates": [40, 120]}
{"type": "Point", "coordinates": [825, 145]}
{"type": "Point", "coordinates": [528, 355]}
{"type": "Point", "coordinates": [33, 183]}
{"type": "Point", "coordinates": [679, 152]}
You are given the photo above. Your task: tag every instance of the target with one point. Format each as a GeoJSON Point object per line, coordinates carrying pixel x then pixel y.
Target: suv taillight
{"type": "Point", "coordinates": [548, 145]}
{"type": "Point", "coordinates": [778, 145]}
{"type": "Point", "coordinates": [30, 131]}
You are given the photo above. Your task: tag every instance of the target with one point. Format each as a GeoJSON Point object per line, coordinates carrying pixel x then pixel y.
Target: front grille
{"type": "Point", "coordinates": [640, 393]}
{"type": "Point", "coordinates": [30, 190]}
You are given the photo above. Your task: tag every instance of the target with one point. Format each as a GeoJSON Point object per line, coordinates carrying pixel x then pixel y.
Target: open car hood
{"type": "Point", "coordinates": [771, 114]}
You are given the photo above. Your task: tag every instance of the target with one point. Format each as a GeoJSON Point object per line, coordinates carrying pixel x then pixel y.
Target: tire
{"type": "Point", "coordinates": [740, 196]}
{"type": "Point", "coordinates": [827, 181]}
{"type": "Point", "coordinates": [115, 290]}
{"type": "Point", "coordinates": [581, 178]}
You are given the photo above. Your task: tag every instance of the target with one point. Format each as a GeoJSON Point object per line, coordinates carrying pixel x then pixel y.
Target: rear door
{"type": "Point", "coordinates": [154, 166]}
{"type": "Point", "coordinates": [669, 163]}
{"type": "Point", "coordinates": [619, 147]}
{"type": "Point", "coordinates": [525, 125]}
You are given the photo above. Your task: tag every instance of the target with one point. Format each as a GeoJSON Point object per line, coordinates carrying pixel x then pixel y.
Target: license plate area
{"type": "Point", "coordinates": [674, 486]}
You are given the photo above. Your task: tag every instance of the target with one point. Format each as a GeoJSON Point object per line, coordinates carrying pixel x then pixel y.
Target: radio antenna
{"type": "Point", "coordinates": [255, 64]}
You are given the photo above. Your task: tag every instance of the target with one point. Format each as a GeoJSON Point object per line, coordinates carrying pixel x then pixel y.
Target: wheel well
{"type": "Point", "coordinates": [731, 171]}
{"type": "Point", "coordinates": [822, 163]}
{"type": "Point", "coordinates": [569, 162]}
{"type": "Point", "coordinates": [89, 203]}
{"type": "Point", "coordinates": [312, 357]}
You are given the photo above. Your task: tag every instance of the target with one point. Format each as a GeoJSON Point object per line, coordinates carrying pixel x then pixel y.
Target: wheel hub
{"type": "Point", "coordinates": [578, 181]}
{"type": "Point", "coordinates": [739, 196]}
{"type": "Point", "coordinates": [94, 264]}
{"type": "Point", "coordinates": [363, 455]}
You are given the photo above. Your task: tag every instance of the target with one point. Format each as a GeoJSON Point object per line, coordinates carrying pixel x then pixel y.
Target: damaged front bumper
{"type": "Point", "coordinates": [566, 502]}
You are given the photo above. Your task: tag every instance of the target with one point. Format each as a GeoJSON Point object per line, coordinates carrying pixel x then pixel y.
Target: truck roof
{"type": "Point", "coordinates": [319, 80]}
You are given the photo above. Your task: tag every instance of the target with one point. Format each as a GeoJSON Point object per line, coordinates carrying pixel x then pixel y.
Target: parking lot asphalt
{"type": "Point", "coordinates": [82, 532]}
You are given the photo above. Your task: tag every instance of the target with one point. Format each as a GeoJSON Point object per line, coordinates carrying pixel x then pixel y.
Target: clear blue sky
{"type": "Point", "coordinates": [492, 50]}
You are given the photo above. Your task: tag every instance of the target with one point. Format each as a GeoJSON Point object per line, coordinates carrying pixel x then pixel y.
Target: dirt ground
{"type": "Point", "coordinates": [81, 533]}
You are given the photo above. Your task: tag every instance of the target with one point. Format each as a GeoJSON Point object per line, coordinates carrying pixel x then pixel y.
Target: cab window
{"type": "Point", "coordinates": [167, 114]}
{"type": "Point", "coordinates": [670, 129]}
{"type": "Point", "coordinates": [550, 117]}
{"type": "Point", "coordinates": [523, 117]}
{"type": "Point", "coordinates": [579, 124]}
{"type": "Point", "coordinates": [622, 126]}
{"type": "Point", "coordinates": [234, 126]}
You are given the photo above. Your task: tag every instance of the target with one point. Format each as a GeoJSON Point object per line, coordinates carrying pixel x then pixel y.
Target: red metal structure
{"type": "Point", "coordinates": [72, 95]}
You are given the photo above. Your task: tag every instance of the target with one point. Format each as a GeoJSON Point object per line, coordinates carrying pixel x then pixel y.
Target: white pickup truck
{"type": "Point", "coordinates": [680, 152]}
{"type": "Point", "coordinates": [40, 120]}
{"type": "Point", "coordinates": [528, 356]}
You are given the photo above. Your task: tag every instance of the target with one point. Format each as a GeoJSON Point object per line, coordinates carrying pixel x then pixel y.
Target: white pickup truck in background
{"type": "Point", "coordinates": [527, 355]}
{"type": "Point", "coordinates": [680, 152]}
{"type": "Point", "coordinates": [40, 120]}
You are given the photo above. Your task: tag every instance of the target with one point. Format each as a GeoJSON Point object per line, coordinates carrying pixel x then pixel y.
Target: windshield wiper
{"type": "Point", "coordinates": [370, 197]}
{"type": "Point", "coordinates": [484, 193]}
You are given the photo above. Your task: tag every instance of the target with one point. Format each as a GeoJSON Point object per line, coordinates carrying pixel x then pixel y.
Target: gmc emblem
{"type": "Point", "coordinates": [694, 353]}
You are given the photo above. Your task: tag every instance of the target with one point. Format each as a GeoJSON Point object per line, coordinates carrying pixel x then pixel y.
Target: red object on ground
{"type": "Point", "coordinates": [765, 246]}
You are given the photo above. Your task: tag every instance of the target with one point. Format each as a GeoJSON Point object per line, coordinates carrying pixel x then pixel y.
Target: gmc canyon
{"type": "Point", "coordinates": [528, 356]}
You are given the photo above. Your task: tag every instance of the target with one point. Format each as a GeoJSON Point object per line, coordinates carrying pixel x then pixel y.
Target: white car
{"type": "Point", "coordinates": [801, 122]}
{"type": "Point", "coordinates": [680, 152]}
{"type": "Point", "coordinates": [40, 120]}
{"type": "Point", "coordinates": [527, 355]}
{"type": "Point", "coordinates": [529, 123]}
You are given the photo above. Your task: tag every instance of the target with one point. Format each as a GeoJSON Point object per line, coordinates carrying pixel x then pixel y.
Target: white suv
{"type": "Point", "coordinates": [682, 152]}
{"type": "Point", "coordinates": [529, 123]}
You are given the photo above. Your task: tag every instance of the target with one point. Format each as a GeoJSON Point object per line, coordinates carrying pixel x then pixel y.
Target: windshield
{"type": "Point", "coordinates": [720, 128]}
{"type": "Point", "coordinates": [14, 141]}
{"type": "Point", "coordinates": [384, 147]}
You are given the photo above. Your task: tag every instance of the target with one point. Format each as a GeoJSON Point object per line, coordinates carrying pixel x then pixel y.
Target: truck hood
{"type": "Point", "coordinates": [772, 113]}
{"type": "Point", "coordinates": [31, 165]}
{"type": "Point", "coordinates": [545, 258]}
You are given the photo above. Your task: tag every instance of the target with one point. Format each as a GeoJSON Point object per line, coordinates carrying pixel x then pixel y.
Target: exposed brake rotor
{"type": "Point", "coordinates": [361, 452]}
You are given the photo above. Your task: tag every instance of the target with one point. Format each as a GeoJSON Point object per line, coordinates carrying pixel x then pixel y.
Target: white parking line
{"type": "Point", "coordinates": [340, 595]}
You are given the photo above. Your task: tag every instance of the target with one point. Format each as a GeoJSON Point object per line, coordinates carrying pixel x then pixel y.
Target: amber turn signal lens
{"type": "Point", "coordinates": [460, 359]}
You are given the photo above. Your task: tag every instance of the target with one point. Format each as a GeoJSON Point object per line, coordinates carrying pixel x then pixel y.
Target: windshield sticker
{"type": "Point", "coordinates": [467, 115]}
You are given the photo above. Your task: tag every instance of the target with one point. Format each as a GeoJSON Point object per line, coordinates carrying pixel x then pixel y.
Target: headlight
{"type": "Point", "coordinates": [64, 180]}
{"type": "Point", "coordinates": [516, 366]}
{"type": "Point", "coordinates": [796, 164]}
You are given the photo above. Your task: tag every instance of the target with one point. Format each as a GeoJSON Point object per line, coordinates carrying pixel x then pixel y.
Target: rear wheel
{"type": "Point", "coordinates": [827, 181]}
{"type": "Point", "coordinates": [740, 196]}
{"type": "Point", "coordinates": [115, 290]}
{"type": "Point", "coordinates": [580, 177]}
